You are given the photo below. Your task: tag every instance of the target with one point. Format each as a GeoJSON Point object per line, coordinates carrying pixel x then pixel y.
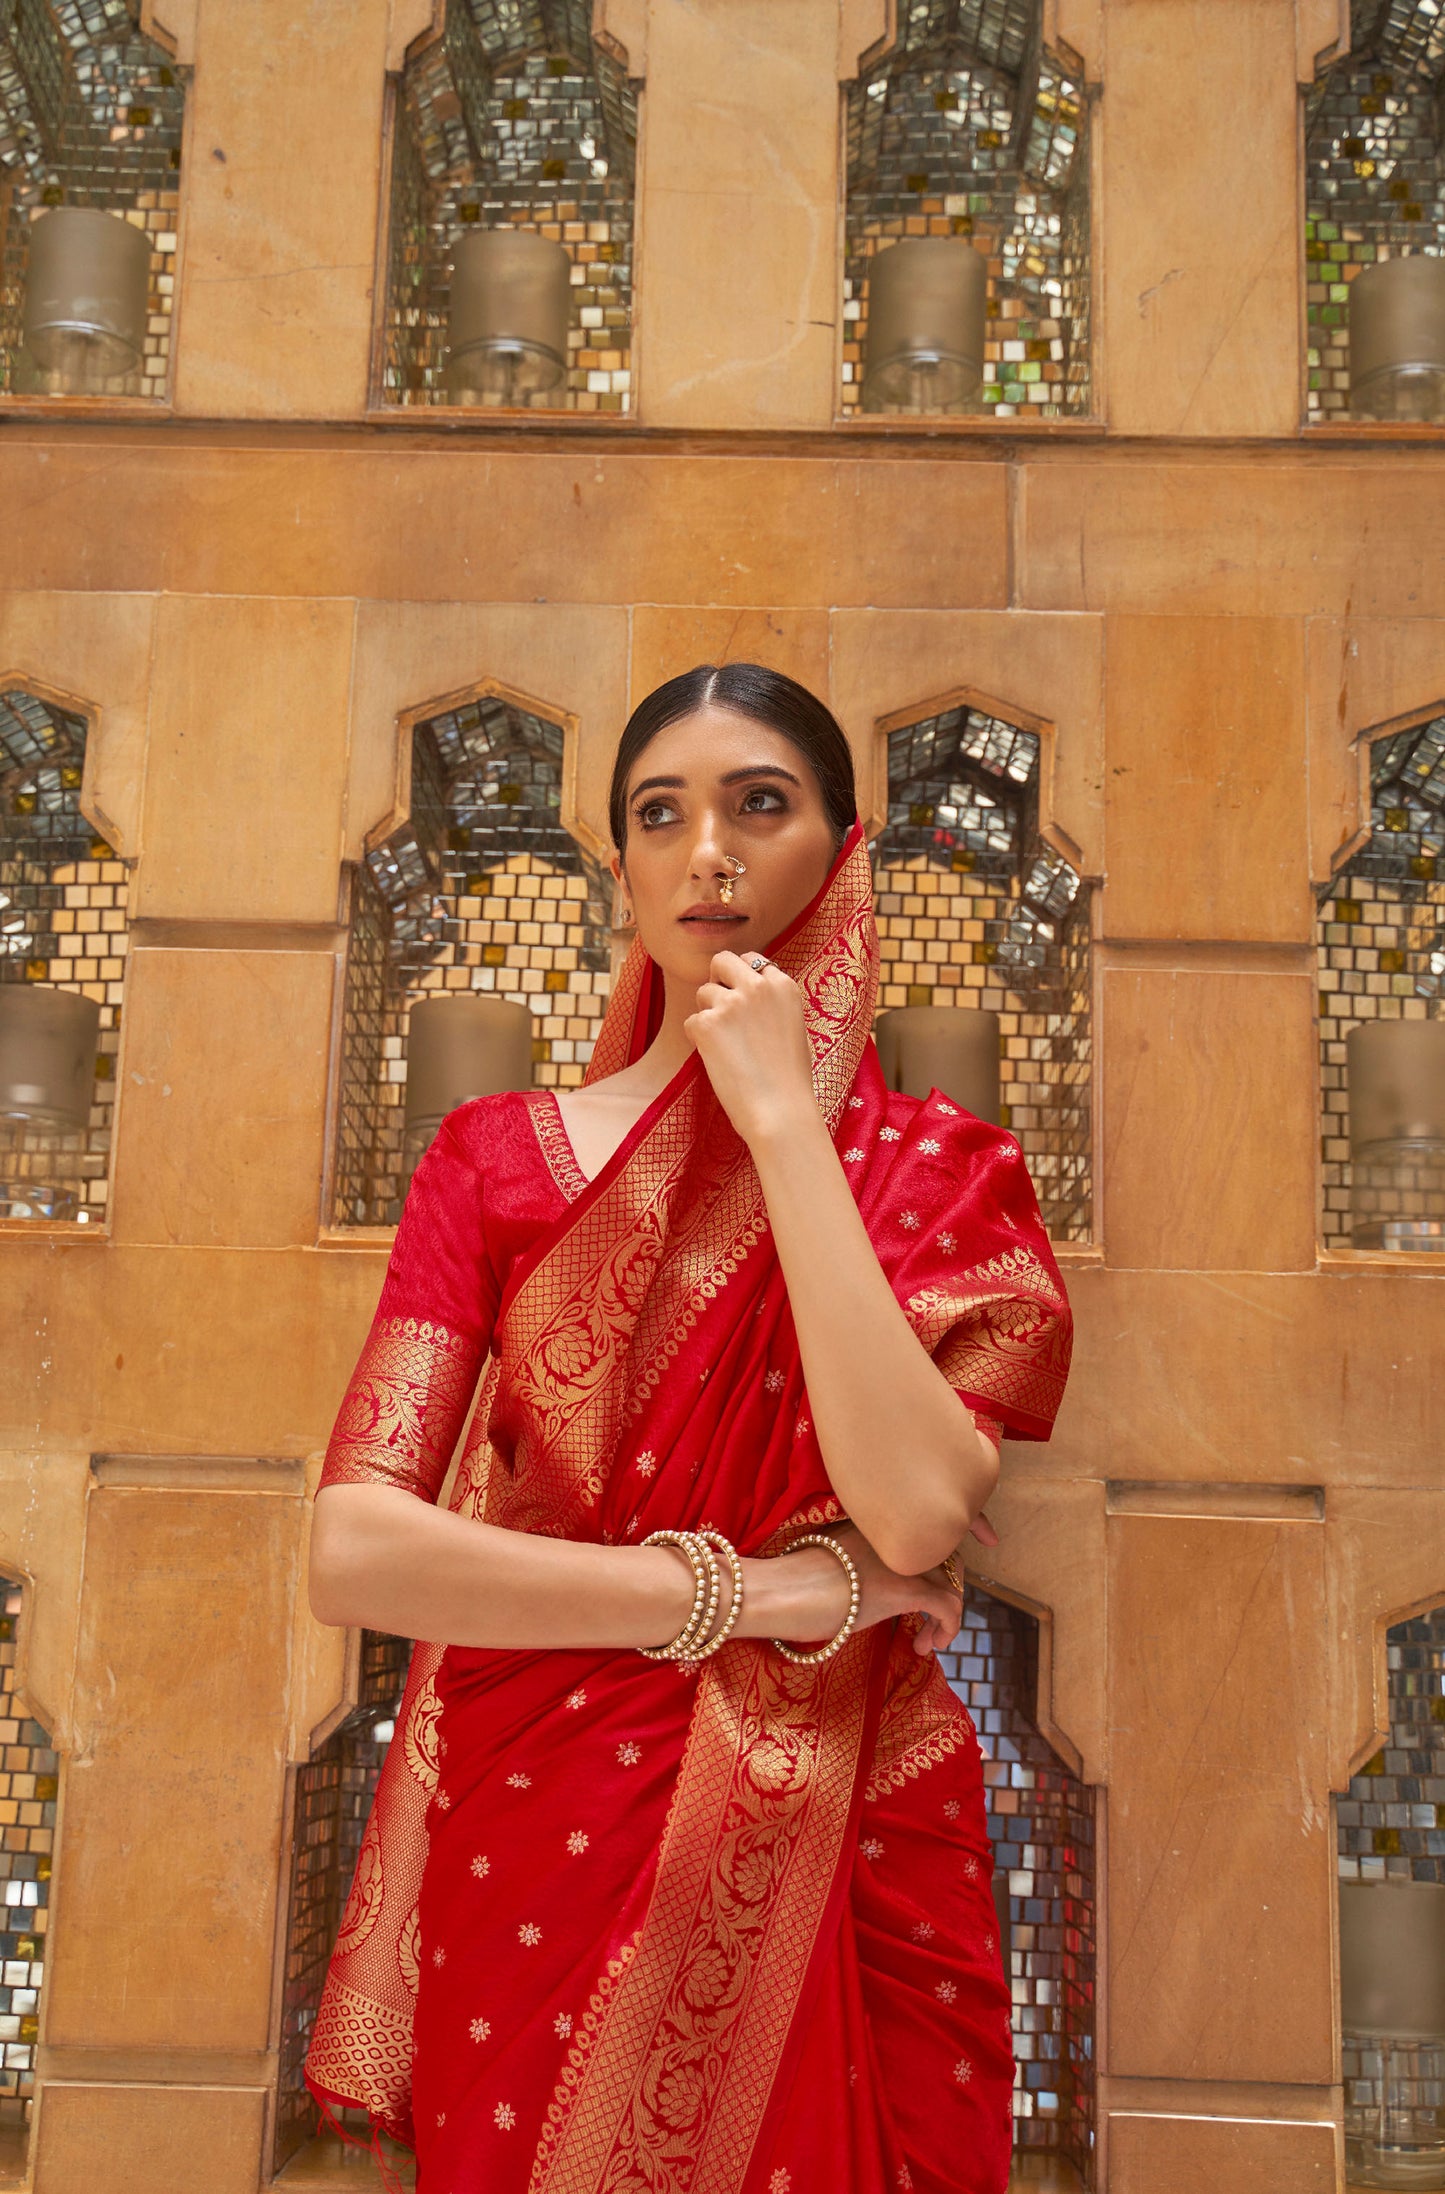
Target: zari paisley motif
{"type": "Point", "coordinates": [999, 1332]}
{"type": "Point", "coordinates": [684, 2060]}
{"type": "Point", "coordinates": [923, 1720]}
{"type": "Point", "coordinates": [412, 1377]}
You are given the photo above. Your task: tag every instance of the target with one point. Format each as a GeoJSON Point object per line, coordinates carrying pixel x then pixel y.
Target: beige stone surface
{"type": "Point", "coordinates": [181, 1676]}
{"type": "Point", "coordinates": [93, 651]}
{"type": "Point", "coordinates": [1153, 2153]}
{"type": "Point", "coordinates": [1207, 1123]}
{"type": "Point", "coordinates": [274, 313]}
{"type": "Point", "coordinates": [168, 1350]}
{"type": "Point", "coordinates": [453, 519]}
{"type": "Point", "coordinates": [1206, 782]}
{"type": "Point", "coordinates": [247, 696]}
{"type": "Point", "coordinates": [569, 660]}
{"type": "Point", "coordinates": [1220, 1880]}
{"type": "Point", "coordinates": [1285, 1378]}
{"type": "Point", "coordinates": [1045, 668]}
{"type": "Point", "coordinates": [1362, 672]}
{"type": "Point", "coordinates": [131, 2139]}
{"type": "Point", "coordinates": [1232, 534]}
{"type": "Point", "coordinates": [667, 641]}
{"type": "Point", "coordinates": [222, 1097]}
{"type": "Point", "coordinates": [1200, 318]}
{"type": "Point", "coordinates": [1050, 1558]}
{"type": "Point", "coordinates": [738, 215]}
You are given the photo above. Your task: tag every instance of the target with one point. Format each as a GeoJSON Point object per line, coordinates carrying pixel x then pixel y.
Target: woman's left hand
{"type": "Point", "coordinates": [750, 1031]}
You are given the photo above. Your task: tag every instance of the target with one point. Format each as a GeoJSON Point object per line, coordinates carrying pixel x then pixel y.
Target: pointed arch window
{"type": "Point", "coordinates": [481, 889]}
{"type": "Point", "coordinates": [976, 909]}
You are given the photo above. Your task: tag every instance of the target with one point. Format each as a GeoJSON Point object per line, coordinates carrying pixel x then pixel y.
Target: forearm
{"type": "Point", "coordinates": [903, 1455]}
{"type": "Point", "coordinates": [383, 1559]}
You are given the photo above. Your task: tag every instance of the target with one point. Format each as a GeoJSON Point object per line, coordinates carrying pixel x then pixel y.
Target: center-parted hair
{"type": "Point", "coordinates": [747, 689]}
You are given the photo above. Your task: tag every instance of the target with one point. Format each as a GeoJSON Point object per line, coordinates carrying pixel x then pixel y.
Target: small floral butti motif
{"type": "Point", "coordinates": [781, 2181]}
{"type": "Point", "coordinates": [909, 1221]}
{"type": "Point", "coordinates": [871, 1847]}
{"type": "Point", "coordinates": [562, 2025]}
{"type": "Point", "coordinates": [947, 1992]}
{"type": "Point", "coordinates": [576, 1700]}
{"type": "Point", "coordinates": [629, 1754]}
{"type": "Point", "coordinates": [963, 2071]}
{"type": "Point", "coordinates": [481, 1866]}
{"type": "Point", "coordinates": [646, 1463]}
{"type": "Point", "coordinates": [504, 2116]}
{"type": "Point", "coordinates": [479, 2029]}
{"type": "Point", "coordinates": [577, 1842]}
{"type": "Point", "coordinates": [924, 1931]}
{"type": "Point", "coordinates": [930, 1146]}
{"type": "Point", "coordinates": [853, 1156]}
{"type": "Point", "coordinates": [890, 1135]}
{"type": "Point", "coordinates": [775, 1382]}
{"type": "Point", "coordinates": [529, 1934]}
{"type": "Point", "coordinates": [519, 1781]}
{"type": "Point", "coordinates": [948, 1243]}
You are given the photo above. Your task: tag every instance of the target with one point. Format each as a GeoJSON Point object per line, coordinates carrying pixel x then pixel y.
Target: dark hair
{"type": "Point", "coordinates": [749, 689]}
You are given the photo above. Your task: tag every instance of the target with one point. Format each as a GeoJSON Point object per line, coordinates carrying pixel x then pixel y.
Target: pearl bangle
{"type": "Point", "coordinates": [825, 1653]}
{"type": "Point", "coordinates": [705, 1598]}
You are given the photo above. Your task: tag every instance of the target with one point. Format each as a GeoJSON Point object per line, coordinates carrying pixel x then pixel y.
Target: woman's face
{"type": "Point", "coordinates": [716, 783]}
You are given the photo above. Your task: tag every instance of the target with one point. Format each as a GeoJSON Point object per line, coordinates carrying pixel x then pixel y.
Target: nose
{"type": "Point", "coordinates": [705, 855]}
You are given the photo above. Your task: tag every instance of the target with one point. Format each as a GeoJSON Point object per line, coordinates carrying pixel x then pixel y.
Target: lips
{"type": "Point", "coordinates": [711, 914]}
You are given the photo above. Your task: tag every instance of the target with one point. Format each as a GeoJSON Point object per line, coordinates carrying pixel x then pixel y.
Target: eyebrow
{"type": "Point", "coordinates": [733, 777]}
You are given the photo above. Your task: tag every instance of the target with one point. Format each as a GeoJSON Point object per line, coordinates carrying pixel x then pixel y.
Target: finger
{"type": "Point", "coordinates": [982, 1530]}
{"type": "Point", "coordinates": [730, 968]}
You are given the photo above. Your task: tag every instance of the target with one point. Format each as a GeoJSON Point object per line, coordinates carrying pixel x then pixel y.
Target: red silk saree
{"type": "Point", "coordinates": [617, 1925]}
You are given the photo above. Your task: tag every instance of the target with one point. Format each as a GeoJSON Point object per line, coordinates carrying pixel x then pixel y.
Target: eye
{"type": "Point", "coordinates": [763, 800]}
{"type": "Point", "coordinates": [651, 813]}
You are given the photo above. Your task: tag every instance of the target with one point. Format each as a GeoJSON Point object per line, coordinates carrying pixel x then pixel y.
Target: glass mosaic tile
{"type": "Point", "coordinates": [90, 115]}
{"type": "Point", "coordinates": [1380, 944]}
{"type": "Point", "coordinates": [29, 1773]}
{"type": "Point", "coordinates": [480, 889]}
{"type": "Point", "coordinates": [62, 922]}
{"type": "Point", "coordinates": [970, 127]}
{"type": "Point", "coordinates": [1374, 176]}
{"type": "Point", "coordinates": [513, 118]}
{"type": "Point", "coordinates": [333, 1795]}
{"type": "Point", "coordinates": [1041, 1820]}
{"type": "Point", "coordinates": [1392, 1818]}
{"type": "Point", "coordinates": [974, 909]}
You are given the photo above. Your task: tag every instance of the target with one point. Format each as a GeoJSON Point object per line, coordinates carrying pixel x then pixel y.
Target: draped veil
{"type": "Point", "coordinates": [644, 1371]}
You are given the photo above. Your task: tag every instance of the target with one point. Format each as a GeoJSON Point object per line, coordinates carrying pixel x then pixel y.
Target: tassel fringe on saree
{"type": "Point", "coordinates": [620, 1926]}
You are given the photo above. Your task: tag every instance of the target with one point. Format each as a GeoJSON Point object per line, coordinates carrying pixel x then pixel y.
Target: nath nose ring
{"type": "Point", "coordinates": [725, 885]}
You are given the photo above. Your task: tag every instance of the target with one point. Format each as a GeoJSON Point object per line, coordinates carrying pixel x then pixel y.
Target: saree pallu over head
{"type": "Point", "coordinates": [644, 1372]}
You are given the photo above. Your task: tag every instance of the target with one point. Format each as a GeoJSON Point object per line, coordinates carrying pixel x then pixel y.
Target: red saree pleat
{"type": "Point", "coordinates": [616, 1926]}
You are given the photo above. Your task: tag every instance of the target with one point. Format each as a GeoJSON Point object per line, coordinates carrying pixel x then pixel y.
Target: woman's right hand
{"type": "Point", "coordinates": [809, 1592]}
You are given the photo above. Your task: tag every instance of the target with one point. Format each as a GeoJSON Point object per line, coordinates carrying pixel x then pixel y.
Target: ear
{"type": "Point", "coordinates": [615, 865]}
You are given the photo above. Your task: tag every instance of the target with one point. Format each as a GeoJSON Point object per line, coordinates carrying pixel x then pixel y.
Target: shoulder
{"type": "Point", "coordinates": [478, 1131]}
{"type": "Point", "coordinates": [936, 1126]}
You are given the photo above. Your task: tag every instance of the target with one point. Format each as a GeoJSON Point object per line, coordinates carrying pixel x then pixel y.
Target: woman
{"type": "Point", "coordinates": [720, 1922]}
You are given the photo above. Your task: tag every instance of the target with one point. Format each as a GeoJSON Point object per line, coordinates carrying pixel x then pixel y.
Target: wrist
{"type": "Point", "coordinates": [784, 1131]}
{"type": "Point", "coordinates": [797, 1597]}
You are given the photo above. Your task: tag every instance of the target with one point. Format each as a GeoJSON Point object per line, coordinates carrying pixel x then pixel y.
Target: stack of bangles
{"type": "Point", "coordinates": [697, 1639]}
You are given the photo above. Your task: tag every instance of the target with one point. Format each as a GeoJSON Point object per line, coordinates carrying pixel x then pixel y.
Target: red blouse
{"type": "Point", "coordinates": [499, 1174]}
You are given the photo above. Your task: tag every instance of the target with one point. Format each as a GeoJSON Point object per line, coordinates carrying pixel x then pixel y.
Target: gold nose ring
{"type": "Point", "coordinates": [725, 885]}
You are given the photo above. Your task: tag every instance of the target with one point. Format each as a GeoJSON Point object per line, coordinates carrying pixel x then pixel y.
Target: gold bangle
{"type": "Point", "coordinates": [682, 1542]}
{"type": "Point", "coordinates": [825, 1653]}
{"type": "Point", "coordinates": [705, 1598]}
{"type": "Point", "coordinates": [730, 1553]}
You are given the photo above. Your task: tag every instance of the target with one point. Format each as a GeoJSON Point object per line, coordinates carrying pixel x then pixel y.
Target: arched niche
{"type": "Point", "coordinates": [63, 891]}
{"type": "Point", "coordinates": [511, 117]}
{"type": "Point", "coordinates": [978, 907]}
{"type": "Point", "coordinates": [974, 122]}
{"type": "Point", "coordinates": [29, 1787]}
{"type": "Point", "coordinates": [480, 888]}
{"type": "Point", "coordinates": [1380, 945]}
{"type": "Point", "coordinates": [1374, 174]}
{"type": "Point", "coordinates": [91, 114]}
{"type": "Point", "coordinates": [1390, 1824]}
{"type": "Point", "coordinates": [331, 1795]}
{"type": "Point", "coordinates": [1042, 1819]}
